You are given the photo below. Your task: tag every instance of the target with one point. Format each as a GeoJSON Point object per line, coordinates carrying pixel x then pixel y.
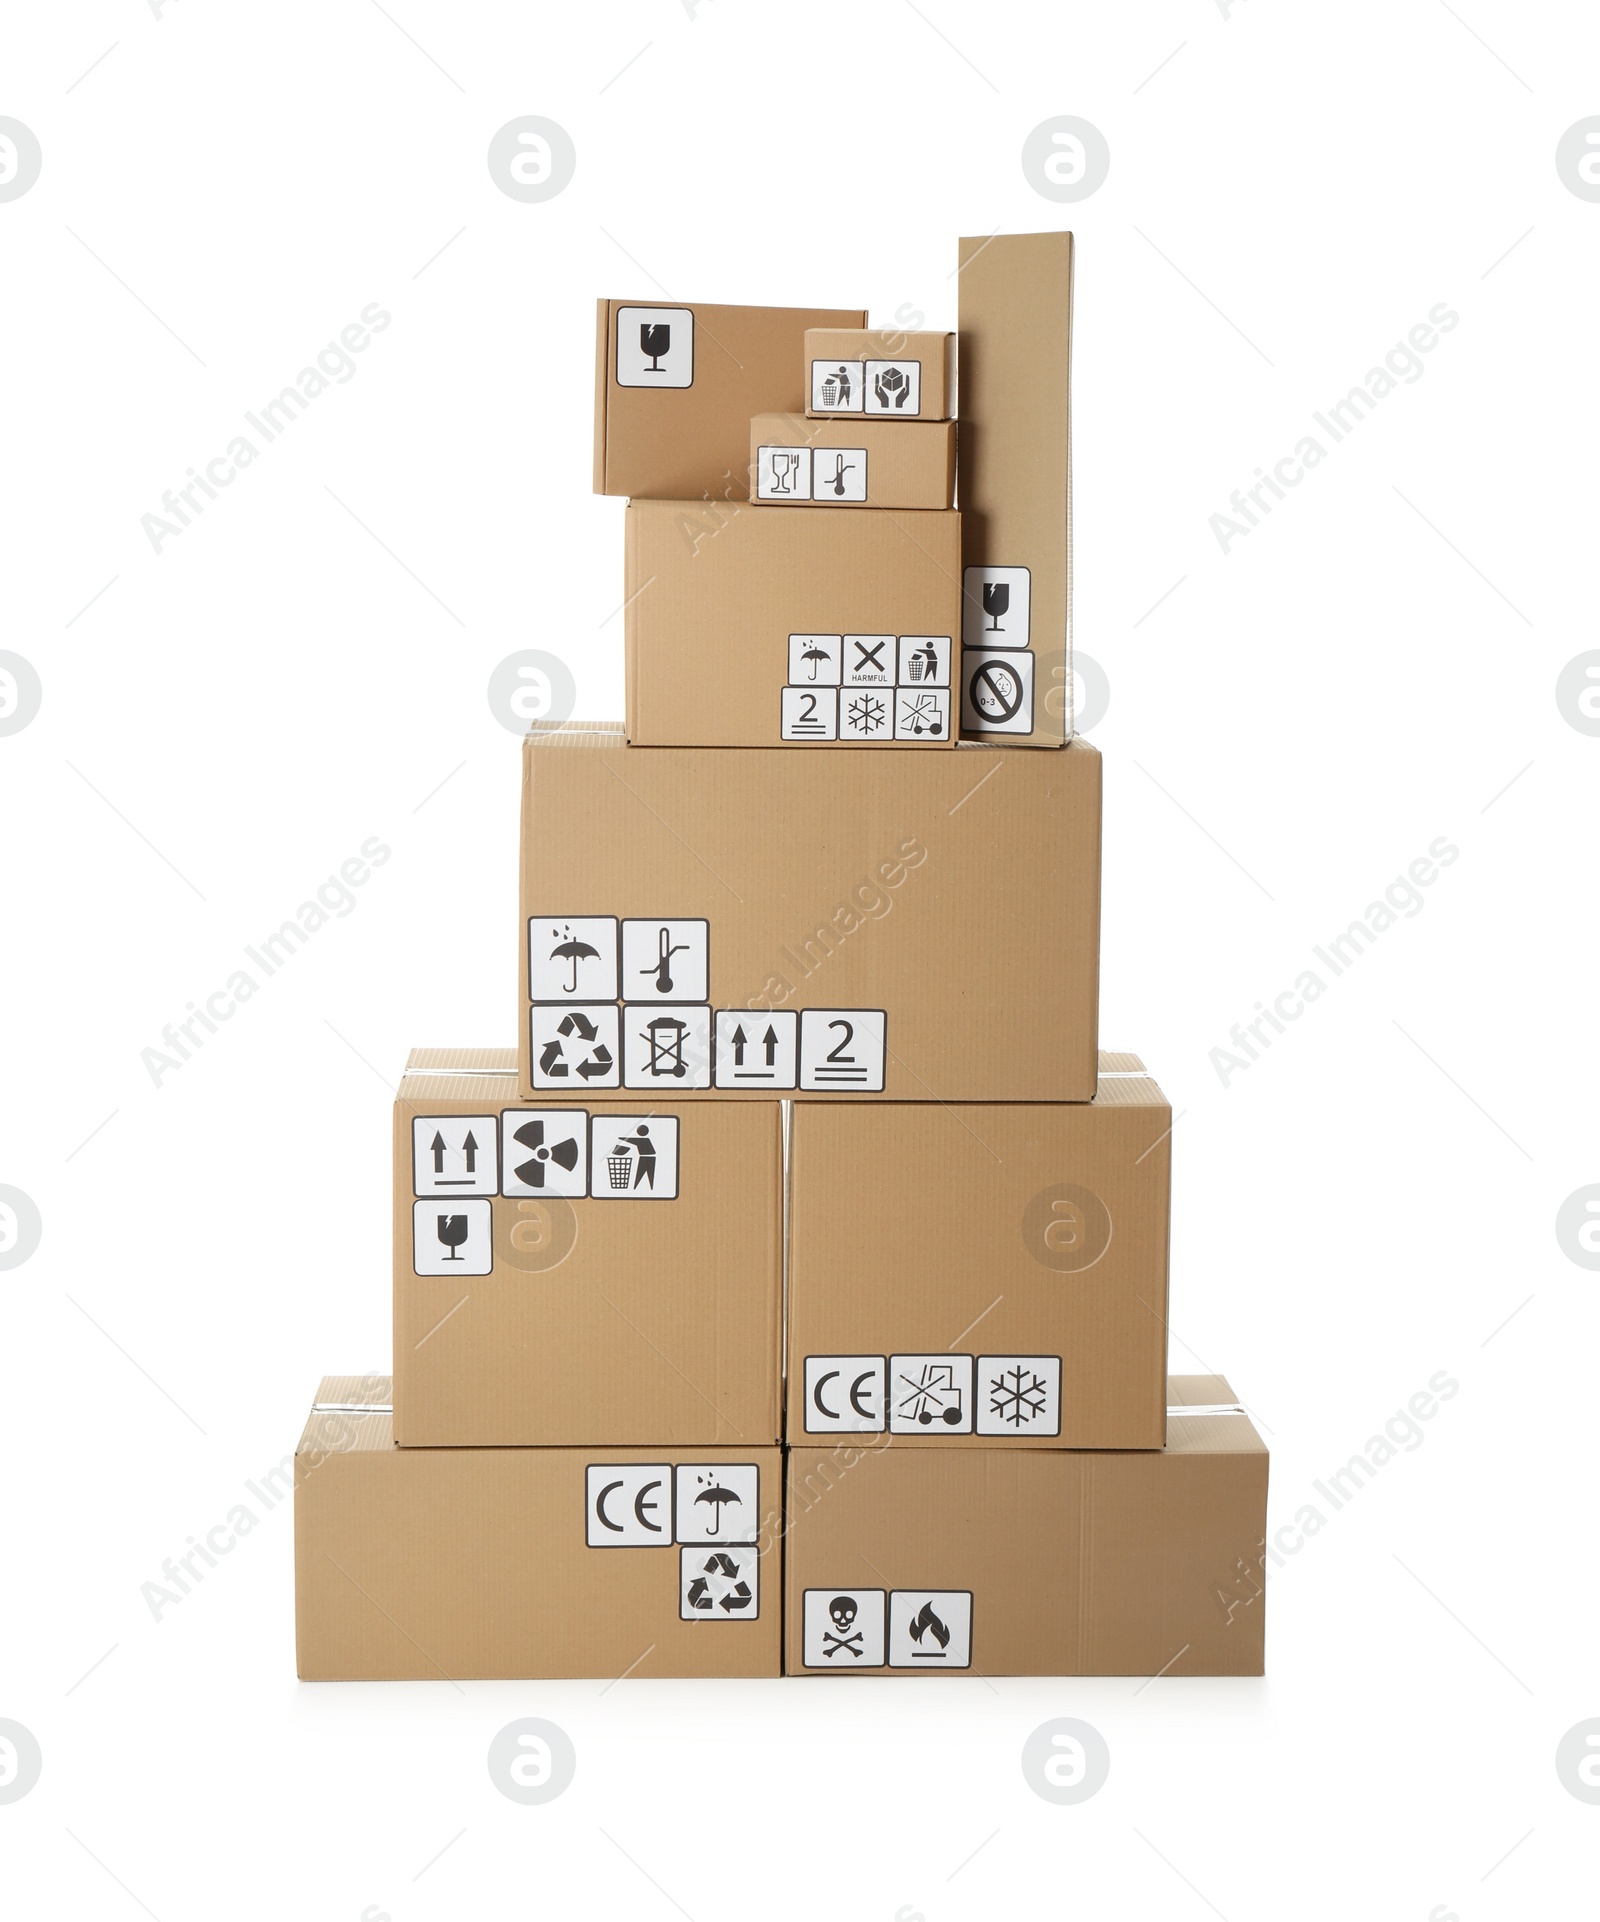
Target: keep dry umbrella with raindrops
{"type": "Point", "coordinates": [572, 952]}
{"type": "Point", "coordinates": [716, 1497]}
{"type": "Point", "coordinates": [814, 654]}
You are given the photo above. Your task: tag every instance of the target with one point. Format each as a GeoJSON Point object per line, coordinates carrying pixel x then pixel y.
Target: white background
{"type": "Point", "coordinates": [1291, 724]}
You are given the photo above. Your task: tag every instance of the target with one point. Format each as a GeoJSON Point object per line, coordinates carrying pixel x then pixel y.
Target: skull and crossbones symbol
{"type": "Point", "coordinates": [842, 1613]}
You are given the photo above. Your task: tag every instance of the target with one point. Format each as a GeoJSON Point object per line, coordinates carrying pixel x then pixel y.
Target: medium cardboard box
{"type": "Point", "coordinates": [1028, 1250]}
{"type": "Point", "coordinates": [1015, 311]}
{"type": "Point", "coordinates": [881, 371]}
{"type": "Point", "coordinates": [752, 626]}
{"type": "Point", "coordinates": [1031, 1562]}
{"type": "Point", "coordinates": [795, 462]}
{"type": "Point", "coordinates": [754, 922]}
{"type": "Point", "coordinates": [429, 1564]}
{"type": "Point", "coordinates": [675, 386]}
{"type": "Point", "coordinates": [582, 1268]}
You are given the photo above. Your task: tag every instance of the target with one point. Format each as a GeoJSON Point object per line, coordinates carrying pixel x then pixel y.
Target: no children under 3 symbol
{"type": "Point", "coordinates": [734, 1597]}
{"type": "Point", "coordinates": [469, 1149]}
{"type": "Point", "coordinates": [553, 1061]}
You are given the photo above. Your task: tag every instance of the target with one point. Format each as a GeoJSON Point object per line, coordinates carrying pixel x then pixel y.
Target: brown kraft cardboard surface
{"type": "Point", "coordinates": [796, 462]}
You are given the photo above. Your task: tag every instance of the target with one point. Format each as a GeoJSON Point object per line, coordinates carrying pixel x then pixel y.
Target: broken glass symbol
{"type": "Point", "coordinates": [1018, 1396]}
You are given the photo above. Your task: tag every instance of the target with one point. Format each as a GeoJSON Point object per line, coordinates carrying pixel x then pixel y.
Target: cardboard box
{"type": "Point", "coordinates": [676, 384]}
{"type": "Point", "coordinates": [917, 927]}
{"type": "Point", "coordinates": [582, 1268]}
{"type": "Point", "coordinates": [1030, 1561]}
{"type": "Point", "coordinates": [881, 371]}
{"type": "Point", "coordinates": [796, 462]}
{"type": "Point", "coordinates": [423, 1564]}
{"type": "Point", "coordinates": [752, 626]}
{"type": "Point", "coordinates": [1028, 1250]}
{"type": "Point", "coordinates": [1015, 309]}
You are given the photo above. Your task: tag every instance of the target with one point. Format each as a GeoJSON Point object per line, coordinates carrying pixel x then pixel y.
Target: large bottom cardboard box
{"type": "Point", "coordinates": [422, 1564]}
{"type": "Point", "coordinates": [1022, 1562]}
{"type": "Point", "coordinates": [986, 1276]}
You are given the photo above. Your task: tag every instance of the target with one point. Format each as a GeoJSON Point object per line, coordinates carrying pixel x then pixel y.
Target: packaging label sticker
{"type": "Point", "coordinates": [994, 607]}
{"type": "Point", "coordinates": [666, 1047]}
{"type": "Point", "coordinates": [869, 660]}
{"type": "Point", "coordinates": [666, 960]}
{"type": "Point", "coordinates": [930, 1628]}
{"type": "Point", "coordinates": [842, 1048]}
{"type": "Point", "coordinates": [809, 714]}
{"type": "Point", "coordinates": [922, 713]}
{"type": "Point", "coordinates": [655, 347]}
{"type": "Point", "coordinates": [1019, 1395]}
{"type": "Point", "coordinates": [894, 387]}
{"type": "Point", "coordinates": [839, 474]}
{"type": "Point", "coordinates": [866, 714]}
{"type": "Point", "coordinates": [757, 1050]}
{"type": "Point", "coordinates": [629, 1505]}
{"type": "Point", "coordinates": [815, 659]}
{"type": "Point", "coordinates": [545, 1151]}
{"type": "Point", "coordinates": [454, 1155]}
{"type": "Point", "coordinates": [719, 1584]}
{"type": "Point", "coordinates": [576, 1048]}
{"type": "Point", "coordinates": [718, 1503]}
{"type": "Point", "coordinates": [451, 1237]}
{"type": "Point", "coordinates": [634, 1157]}
{"type": "Point", "coordinates": [837, 386]}
{"type": "Point", "coordinates": [843, 1628]}
{"type": "Point", "coordinates": [845, 1394]}
{"type": "Point", "coordinates": [783, 473]}
{"type": "Point", "coordinates": [996, 692]}
{"type": "Point", "coordinates": [924, 660]}
{"type": "Point", "coordinates": [572, 957]}
{"type": "Point", "coordinates": [930, 1394]}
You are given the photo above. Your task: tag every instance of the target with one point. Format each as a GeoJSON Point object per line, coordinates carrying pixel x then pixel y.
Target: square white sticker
{"type": "Point", "coordinates": [930, 1628]}
{"type": "Point", "coordinates": [894, 387]}
{"type": "Point", "coordinates": [718, 1502]}
{"type": "Point", "coordinates": [845, 1394]}
{"type": "Point", "coordinates": [655, 347]}
{"type": "Point", "coordinates": [930, 1394]}
{"type": "Point", "coordinates": [576, 1049]}
{"type": "Point", "coordinates": [628, 1504]}
{"type": "Point", "coordinates": [866, 714]}
{"type": "Point", "coordinates": [454, 1154]}
{"type": "Point", "coordinates": [783, 473]}
{"type": "Point", "coordinates": [924, 660]}
{"type": "Point", "coordinates": [839, 474]}
{"type": "Point", "coordinates": [996, 692]}
{"type": "Point", "coordinates": [545, 1150]}
{"type": "Point", "coordinates": [842, 1048]}
{"type": "Point", "coordinates": [634, 1157]}
{"type": "Point", "coordinates": [756, 1050]}
{"type": "Point", "coordinates": [994, 606]}
{"type": "Point", "coordinates": [809, 714]}
{"type": "Point", "coordinates": [666, 1048]}
{"type": "Point", "coordinates": [572, 957]}
{"type": "Point", "coordinates": [666, 960]}
{"type": "Point", "coordinates": [836, 386]}
{"type": "Point", "coordinates": [719, 1584]}
{"type": "Point", "coordinates": [843, 1628]}
{"type": "Point", "coordinates": [869, 660]}
{"type": "Point", "coordinates": [1019, 1395]}
{"type": "Point", "coordinates": [452, 1237]}
{"type": "Point", "coordinates": [814, 659]}
{"type": "Point", "coordinates": [922, 714]}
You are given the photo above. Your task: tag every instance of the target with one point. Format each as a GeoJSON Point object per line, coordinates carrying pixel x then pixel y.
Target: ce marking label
{"type": "Point", "coordinates": [845, 1394]}
{"type": "Point", "coordinates": [629, 1505]}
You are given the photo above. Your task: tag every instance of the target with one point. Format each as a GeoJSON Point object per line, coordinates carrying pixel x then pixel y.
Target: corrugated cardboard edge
{"type": "Point", "coordinates": [630, 631]}
{"type": "Point", "coordinates": [602, 389]}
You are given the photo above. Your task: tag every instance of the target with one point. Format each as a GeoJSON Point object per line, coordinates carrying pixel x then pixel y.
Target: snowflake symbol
{"type": "Point", "coordinates": [867, 714]}
{"type": "Point", "coordinates": [1018, 1396]}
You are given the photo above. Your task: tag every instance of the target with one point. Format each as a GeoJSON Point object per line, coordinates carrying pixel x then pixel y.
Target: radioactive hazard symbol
{"type": "Point", "coordinates": [719, 1585]}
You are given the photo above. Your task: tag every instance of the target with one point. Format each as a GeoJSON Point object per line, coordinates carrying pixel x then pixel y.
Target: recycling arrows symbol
{"type": "Point", "coordinates": [553, 1061]}
{"type": "Point", "coordinates": [700, 1591]}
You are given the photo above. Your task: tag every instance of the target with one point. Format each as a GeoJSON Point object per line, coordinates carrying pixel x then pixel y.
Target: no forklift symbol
{"type": "Point", "coordinates": [996, 691]}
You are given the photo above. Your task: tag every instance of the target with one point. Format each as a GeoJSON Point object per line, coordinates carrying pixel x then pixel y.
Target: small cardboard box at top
{"type": "Point", "coordinates": [754, 626]}
{"type": "Point", "coordinates": [588, 1267]}
{"type": "Point", "coordinates": [676, 384]}
{"type": "Point", "coordinates": [920, 927]}
{"type": "Point", "coordinates": [1028, 1246]}
{"type": "Point", "coordinates": [880, 372]}
{"type": "Point", "coordinates": [1030, 1561]}
{"type": "Point", "coordinates": [429, 1564]}
{"type": "Point", "coordinates": [796, 462]}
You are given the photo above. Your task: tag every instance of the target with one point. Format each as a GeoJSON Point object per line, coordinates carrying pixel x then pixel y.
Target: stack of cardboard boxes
{"type": "Point", "coordinates": [793, 1298]}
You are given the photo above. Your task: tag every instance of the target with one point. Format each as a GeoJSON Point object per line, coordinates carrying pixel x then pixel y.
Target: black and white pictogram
{"type": "Point", "coordinates": [718, 1503]}
{"type": "Point", "coordinates": [655, 347]}
{"type": "Point", "coordinates": [454, 1155]}
{"type": "Point", "coordinates": [629, 1505]}
{"type": "Point", "coordinates": [576, 1048]}
{"type": "Point", "coordinates": [866, 714]}
{"type": "Point", "coordinates": [924, 660]}
{"type": "Point", "coordinates": [893, 387]}
{"type": "Point", "coordinates": [845, 1394]}
{"type": "Point", "coordinates": [930, 1394]}
{"type": "Point", "coordinates": [869, 660]}
{"type": "Point", "coordinates": [930, 1628]}
{"type": "Point", "coordinates": [809, 714]}
{"type": "Point", "coordinates": [545, 1151]}
{"type": "Point", "coordinates": [837, 386]}
{"type": "Point", "coordinates": [666, 960]}
{"type": "Point", "coordinates": [572, 958]}
{"type": "Point", "coordinates": [843, 1628]}
{"type": "Point", "coordinates": [839, 474]}
{"type": "Point", "coordinates": [1019, 1395]}
{"type": "Point", "coordinates": [667, 1048]}
{"type": "Point", "coordinates": [815, 659]}
{"type": "Point", "coordinates": [718, 1584]}
{"type": "Point", "coordinates": [922, 714]}
{"type": "Point", "coordinates": [994, 607]}
{"type": "Point", "coordinates": [842, 1048]}
{"type": "Point", "coordinates": [634, 1157]}
{"type": "Point", "coordinates": [783, 473]}
{"type": "Point", "coordinates": [996, 692]}
{"type": "Point", "coordinates": [756, 1050]}
{"type": "Point", "coordinates": [451, 1237]}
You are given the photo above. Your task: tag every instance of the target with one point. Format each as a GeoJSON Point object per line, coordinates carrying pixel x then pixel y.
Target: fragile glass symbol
{"type": "Point", "coordinates": [452, 1233]}
{"type": "Point", "coordinates": [655, 338]}
{"type": "Point", "coordinates": [996, 603]}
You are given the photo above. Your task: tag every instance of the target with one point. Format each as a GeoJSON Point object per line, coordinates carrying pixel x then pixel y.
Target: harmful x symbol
{"type": "Point", "coordinates": [870, 656]}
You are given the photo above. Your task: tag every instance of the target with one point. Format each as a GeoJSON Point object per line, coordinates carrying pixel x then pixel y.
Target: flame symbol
{"type": "Point", "coordinates": [925, 1622]}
